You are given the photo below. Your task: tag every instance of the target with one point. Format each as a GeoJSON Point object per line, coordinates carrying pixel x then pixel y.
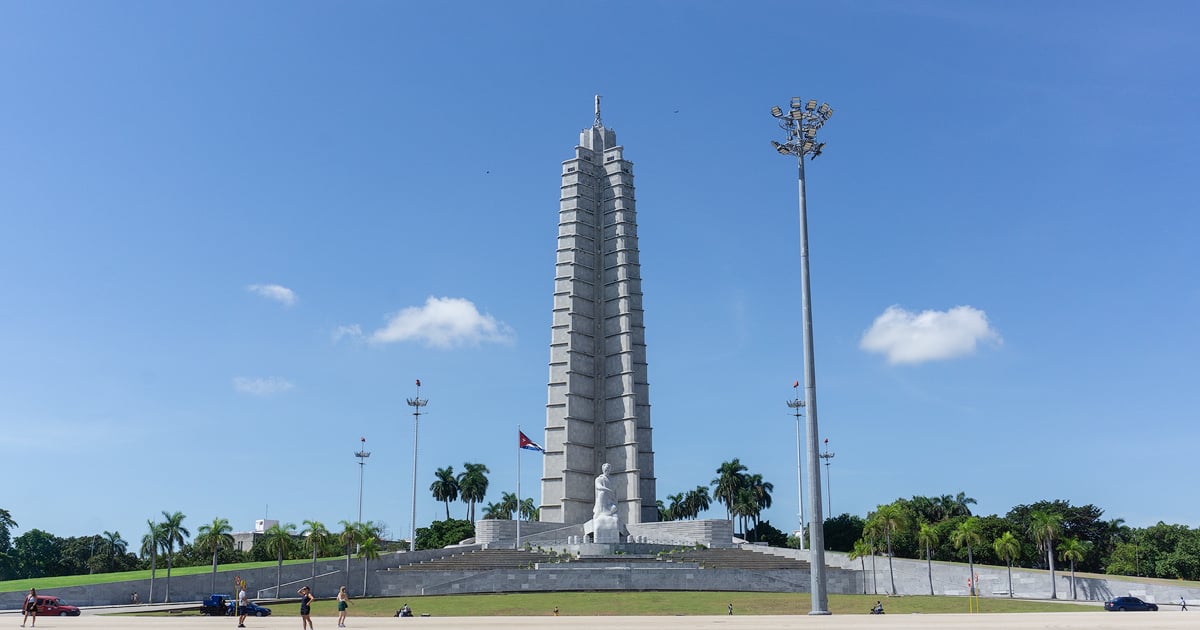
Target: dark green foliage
{"type": "Point", "coordinates": [443, 533]}
{"type": "Point", "coordinates": [842, 531]}
{"type": "Point", "coordinates": [764, 532]}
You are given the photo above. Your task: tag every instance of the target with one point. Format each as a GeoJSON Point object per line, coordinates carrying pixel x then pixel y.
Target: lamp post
{"type": "Point", "coordinates": [796, 404]}
{"type": "Point", "coordinates": [362, 456]}
{"type": "Point", "coordinates": [828, 480]}
{"type": "Point", "coordinates": [416, 403]}
{"type": "Point", "coordinates": [800, 124]}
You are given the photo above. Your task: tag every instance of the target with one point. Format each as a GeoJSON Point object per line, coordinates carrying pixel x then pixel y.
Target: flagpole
{"type": "Point", "coordinates": [519, 449]}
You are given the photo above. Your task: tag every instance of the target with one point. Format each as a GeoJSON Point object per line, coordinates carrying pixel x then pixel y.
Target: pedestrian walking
{"type": "Point", "coordinates": [343, 603]}
{"type": "Point", "coordinates": [30, 608]}
{"type": "Point", "coordinates": [242, 602]}
{"type": "Point", "coordinates": [1182, 604]}
{"type": "Point", "coordinates": [306, 598]}
{"type": "Point", "coordinates": [731, 608]}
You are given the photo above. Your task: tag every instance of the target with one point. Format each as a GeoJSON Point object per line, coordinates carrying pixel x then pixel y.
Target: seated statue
{"type": "Point", "coordinates": [606, 499]}
{"type": "Point", "coordinates": [605, 526]}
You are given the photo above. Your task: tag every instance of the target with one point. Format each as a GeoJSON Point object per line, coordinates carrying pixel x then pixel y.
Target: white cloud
{"type": "Point", "coordinates": [906, 337]}
{"type": "Point", "coordinates": [353, 331]}
{"type": "Point", "coordinates": [262, 386]}
{"type": "Point", "coordinates": [281, 294]}
{"type": "Point", "coordinates": [443, 323]}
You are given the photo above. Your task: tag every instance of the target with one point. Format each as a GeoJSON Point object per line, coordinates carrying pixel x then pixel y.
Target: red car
{"type": "Point", "coordinates": [49, 605]}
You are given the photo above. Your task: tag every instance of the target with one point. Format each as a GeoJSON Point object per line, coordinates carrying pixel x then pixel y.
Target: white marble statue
{"type": "Point", "coordinates": [605, 526]}
{"type": "Point", "coordinates": [606, 499]}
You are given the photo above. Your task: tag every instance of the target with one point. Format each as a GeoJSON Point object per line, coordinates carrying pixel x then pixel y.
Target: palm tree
{"type": "Point", "coordinates": [730, 478]}
{"type": "Point", "coordinates": [1008, 547]}
{"type": "Point", "coordinates": [872, 531]}
{"type": "Point", "coordinates": [115, 546]}
{"type": "Point", "coordinates": [349, 537]}
{"type": "Point", "coordinates": [151, 542]}
{"type": "Point", "coordinates": [528, 510]}
{"type": "Point", "coordinates": [891, 519]}
{"type": "Point", "coordinates": [368, 549]}
{"type": "Point", "coordinates": [215, 536]}
{"type": "Point", "coordinates": [958, 505]}
{"type": "Point", "coordinates": [278, 538]}
{"type": "Point", "coordinates": [744, 506]}
{"type": "Point", "coordinates": [1044, 527]}
{"type": "Point", "coordinates": [445, 488]}
{"type": "Point", "coordinates": [676, 509]}
{"type": "Point", "coordinates": [173, 532]}
{"type": "Point", "coordinates": [1073, 550]}
{"type": "Point", "coordinates": [509, 504]}
{"type": "Point", "coordinates": [472, 486]}
{"type": "Point", "coordinates": [968, 533]}
{"type": "Point", "coordinates": [494, 512]}
{"type": "Point", "coordinates": [927, 537]}
{"type": "Point", "coordinates": [697, 501]}
{"type": "Point", "coordinates": [861, 550]}
{"type": "Point", "coordinates": [315, 537]}
{"type": "Point", "coordinates": [761, 490]}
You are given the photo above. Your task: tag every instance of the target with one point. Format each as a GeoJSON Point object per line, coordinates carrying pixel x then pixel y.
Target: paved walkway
{"type": "Point", "coordinates": [1166, 620]}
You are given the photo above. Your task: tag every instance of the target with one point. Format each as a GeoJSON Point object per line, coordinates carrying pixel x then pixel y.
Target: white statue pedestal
{"type": "Point", "coordinates": [604, 528]}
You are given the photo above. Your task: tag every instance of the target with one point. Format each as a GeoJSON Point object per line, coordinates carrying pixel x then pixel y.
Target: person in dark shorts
{"type": "Point", "coordinates": [30, 607]}
{"type": "Point", "coordinates": [306, 599]}
{"type": "Point", "coordinates": [343, 603]}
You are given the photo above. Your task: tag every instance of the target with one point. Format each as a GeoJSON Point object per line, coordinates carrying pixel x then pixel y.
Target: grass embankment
{"type": "Point", "coordinates": [161, 574]}
{"type": "Point", "coordinates": [661, 603]}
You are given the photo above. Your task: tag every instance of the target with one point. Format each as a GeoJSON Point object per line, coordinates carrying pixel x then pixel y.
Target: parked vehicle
{"type": "Point", "coordinates": [53, 606]}
{"type": "Point", "coordinates": [221, 604]}
{"type": "Point", "coordinates": [1121, 604]}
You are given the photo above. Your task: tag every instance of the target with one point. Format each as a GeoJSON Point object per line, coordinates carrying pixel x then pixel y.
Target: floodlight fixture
{"type": "Point", "coordinates": [810, 133]}
{"type": "Point", "coordinates": [797, 102]}
{"type": "Point", "coordinates": [776, 112]}
{"type": "Point", "coordinates": [797, 114]}
{"type": "Point", "coordinates": [811, 105]}
{"type": "Point", "coordinates": [825, 110]}
{"type": "Point", "coordinates": [781, 148]}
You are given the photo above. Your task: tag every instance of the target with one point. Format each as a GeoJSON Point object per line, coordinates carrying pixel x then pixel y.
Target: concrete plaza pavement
{"type": "Point", "coordinates": [1166, 620]}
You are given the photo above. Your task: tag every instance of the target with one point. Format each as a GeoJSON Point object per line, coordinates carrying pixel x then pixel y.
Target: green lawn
{"type": "Point", "coordinates": [662, 603]}
{"type": "Point", "coordinates": [161, 574]}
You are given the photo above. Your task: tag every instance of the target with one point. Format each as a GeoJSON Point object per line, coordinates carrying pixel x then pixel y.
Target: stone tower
{"type": "Point", "coordinates": [598, 408]}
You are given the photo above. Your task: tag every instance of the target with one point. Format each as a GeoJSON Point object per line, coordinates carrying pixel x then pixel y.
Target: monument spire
{"type": "Point", "coordinates": [598, 123]}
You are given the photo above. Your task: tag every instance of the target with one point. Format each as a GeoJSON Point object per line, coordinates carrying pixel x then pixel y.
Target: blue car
{"type": "Point", "coordinates": [251, 609]}
{"type": "Point", "coordinates": [1121, 604]}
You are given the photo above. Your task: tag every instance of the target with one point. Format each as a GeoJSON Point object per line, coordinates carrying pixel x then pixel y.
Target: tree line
{"type": "Point", "coordinates": [166, 544]}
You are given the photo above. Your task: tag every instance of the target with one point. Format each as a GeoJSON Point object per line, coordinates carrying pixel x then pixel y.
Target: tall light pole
{"type": "Point", "coordinates": [796, 404]}
{"type": "Point", "coordinates": [828, 480]}
{"type": "Point", "coordinates": [362, 456]}
{"type": "Point", "coordinates": [416, 403]}
{"type": "Point", "coordinates": [800, 123]}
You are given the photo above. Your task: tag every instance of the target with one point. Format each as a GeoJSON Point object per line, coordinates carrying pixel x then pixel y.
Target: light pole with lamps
{"type": "Point", "coordinates": [828, 480]}
{"type": "Point", "coordinates": [416, 403]}
{"type": "Point", "coordinates": [800, 123]}
{"type": "Point", "coordinates": [796, 404]}
{"type": "Point", "coordinates": [362, 456]}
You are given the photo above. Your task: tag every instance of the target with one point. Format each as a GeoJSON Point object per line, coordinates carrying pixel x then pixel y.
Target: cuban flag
{"type": "Point", "coordinates": [529, 444]}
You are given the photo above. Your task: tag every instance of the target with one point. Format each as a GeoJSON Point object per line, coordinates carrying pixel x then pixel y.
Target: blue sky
{"type": "Point", "coordinates": [233, 234]}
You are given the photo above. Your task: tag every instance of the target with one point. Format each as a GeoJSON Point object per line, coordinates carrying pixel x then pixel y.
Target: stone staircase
{"type": "Point", "coordinates": [482, 560]}
{"type": "Point", "coordinates": [736, 559]}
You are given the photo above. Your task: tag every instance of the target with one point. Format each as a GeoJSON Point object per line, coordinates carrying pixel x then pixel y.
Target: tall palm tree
{"type": "Point", "coordinates": [472, 486]}
{"type": "Point", "coordinates": [528, 510]}
{"type": "Point", "coordinates": [968, 533]}
{"type": "Point", "coordinates": [368, 549]}
{"type": "Point", "coordinates": [215, 536]}
{"type": "Point", "coordinates": [445, 487]}
{"type": "Point", "coordinates": [151, 542]}
{"type": "Point", "coordinates": [1073, 550]}
{"type": "Point", "coordinates": [675, 510]}
{"type": "Point", "coordinates": [891, 519]}
{"type": "Point", "coordinates": [315, 537]}
{"type": "Point", "coordinates": [173, 533]}
{"type": "Point", "coordinates": [761, 490]}
{"type": "Point", "coordinates": [744, 507]}
{"type": "Point", "coordinates": [960, 503]}
{"type": "Point", "coordinates": [861, 550]}
{"type": "Point", "coordinates": [1044, 527]}
{"type": "Point", "coordinates": [349, 537]}
{"type": "Point", "coordinates": [927, 537]}
{"type": "Point", "coordinates": [872, 531]}
{"type": "Point", "coordinates": [115, 546]}
{"type": "Point", "coordinates": [1008, 547]}
{"type": "Point", "coordinates": [278, 539]}
{"type": "Point", "coordinates": [731, 477]}
{"type": "Point", "coordinates": [494, 512]}
{"type": "Point", "coordinates": [509, 503]}
{"type": "Point", "coordinates": [697, 501]}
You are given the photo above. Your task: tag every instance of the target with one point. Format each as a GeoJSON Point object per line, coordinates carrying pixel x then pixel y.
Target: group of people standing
{"type": "Point", "coordinates": [306, 600]}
